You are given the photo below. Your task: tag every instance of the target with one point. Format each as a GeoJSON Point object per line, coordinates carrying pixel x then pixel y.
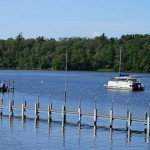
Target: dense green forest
{"type": "Point", "coordinates": [99, 53]}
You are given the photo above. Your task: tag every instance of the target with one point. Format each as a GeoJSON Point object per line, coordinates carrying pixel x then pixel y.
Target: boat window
{"type": "Point", "coordinates": [117, 79]}
{"type": "Point", "coordinates": [133, 80]}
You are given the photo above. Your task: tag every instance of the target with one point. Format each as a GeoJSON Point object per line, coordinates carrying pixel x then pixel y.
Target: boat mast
{"type": "Point", "coordinates": [65, 80]}
{"type": "Point", "coordinates": [120, 63]}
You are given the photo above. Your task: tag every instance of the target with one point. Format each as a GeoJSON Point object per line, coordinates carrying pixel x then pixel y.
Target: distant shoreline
{"type": "Point", "coordinates": [99, 70]}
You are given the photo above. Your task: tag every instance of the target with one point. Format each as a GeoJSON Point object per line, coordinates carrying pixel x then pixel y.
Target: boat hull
{"type": "Point", "coordinates": [133, 87]}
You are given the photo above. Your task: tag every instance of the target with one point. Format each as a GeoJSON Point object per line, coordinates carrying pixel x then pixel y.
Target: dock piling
{"type": "Point", "coordinates": [79, 114]}
{"type": "Point", "coordinates": [111, 118]}
{"type": "Point", "coordinates": [23, 111]}
{"type": "Point", "coordinates": [36, 112]}
{"type": "Point", "coordinates": [148, 126]}
{"type": "Point", "coordinates": [129, 120]}
{"type": "Point", "coordinates": [95, 114]}
{"type": "Point", "coordinates": [95, 117]}
{"type": "Point", "coordinates": [63, 115]}
{"type": "Point", "coordinates": [10, 109]}
{"type": "Point", "coordinates": [49, 113]}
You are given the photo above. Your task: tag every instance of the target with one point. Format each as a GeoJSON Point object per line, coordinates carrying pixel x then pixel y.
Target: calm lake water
{"type": "Point", "coordinates": [84, 86]}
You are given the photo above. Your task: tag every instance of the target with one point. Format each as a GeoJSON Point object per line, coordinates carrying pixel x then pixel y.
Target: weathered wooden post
{"type": "Point", "coordinates": [129, 120]}
{"type": "Point", "coordinates": [23, 112]}
{"type": "Point", "coordinates": [24, 109]}
{"type": "Point", "coordinates": [148, 121]}
{"type": "Point", "coordinates": [95, 115]}
{"type": "Point", "coordinates": [128, 124]}
{"type": "Point", "coordinates": [36, 112]}
{"type": "Point", "coordinates": [10, 109]}
{"type": "Point", "coordinates": [111, 115]}
{"type": "Point", "coordinates": [63, 115]}
{"type": "Point", "coordinates": [49, 113]}
{"type": "Point", "coordinates": [79, 114]}
{"type": "Point", "coordinates": [49, 110]}
{"type": "Point", "coordinates": [148, 126]}
{"type": "Point", "coordinates": [111, 118]}
{"type": "Point", "coordinates": [145, 116]}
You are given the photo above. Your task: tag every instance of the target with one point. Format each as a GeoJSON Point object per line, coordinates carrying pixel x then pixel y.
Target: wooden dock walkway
{"type": "Point", "coordinates": [64, 112]}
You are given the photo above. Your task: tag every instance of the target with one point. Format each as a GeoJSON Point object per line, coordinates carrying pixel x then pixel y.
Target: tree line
{"type": "Point", "coordinates": [99, 53]}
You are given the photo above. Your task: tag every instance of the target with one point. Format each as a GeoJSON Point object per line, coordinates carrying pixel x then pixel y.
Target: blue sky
{"type": "Point", "coordinates": [73, 18]}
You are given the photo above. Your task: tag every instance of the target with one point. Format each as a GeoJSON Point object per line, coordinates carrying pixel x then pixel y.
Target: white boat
{"type": "Point", "coordinates": [125, 82]}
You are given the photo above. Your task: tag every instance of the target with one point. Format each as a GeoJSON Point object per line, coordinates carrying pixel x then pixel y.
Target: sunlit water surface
{"type": "Point", "coordinates": [86, 87]}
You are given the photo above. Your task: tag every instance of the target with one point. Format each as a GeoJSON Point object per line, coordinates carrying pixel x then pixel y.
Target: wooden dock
{"type": "Point", "coordinates": [64, 112]}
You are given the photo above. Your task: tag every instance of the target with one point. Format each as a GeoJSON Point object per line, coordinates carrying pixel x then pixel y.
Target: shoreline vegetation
{"type": "Point", "coordinates": [84, 54]}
